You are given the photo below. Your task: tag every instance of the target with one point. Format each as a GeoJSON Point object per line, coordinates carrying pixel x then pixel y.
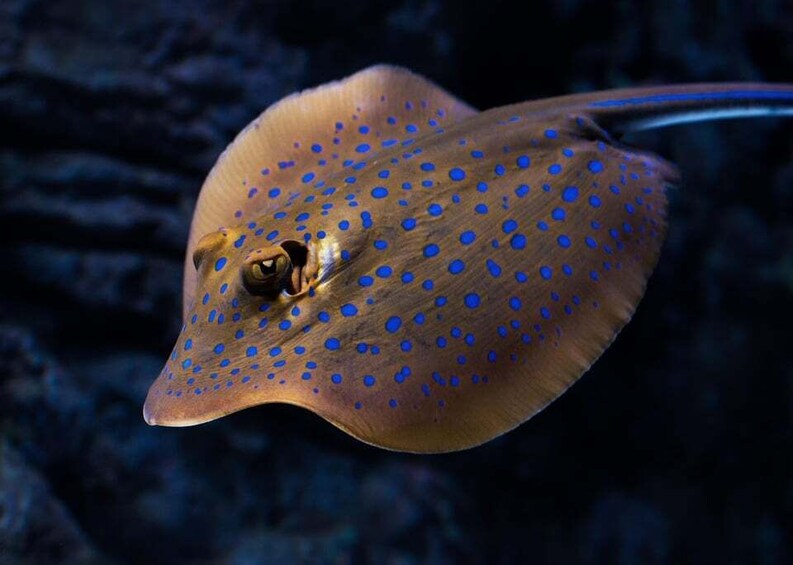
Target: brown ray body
{"type": "Point", "coordinates": [423, 276]}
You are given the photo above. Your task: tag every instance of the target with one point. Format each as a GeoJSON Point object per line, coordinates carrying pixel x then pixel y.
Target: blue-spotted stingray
{"type": "Point", "coordinates": [422, 275]}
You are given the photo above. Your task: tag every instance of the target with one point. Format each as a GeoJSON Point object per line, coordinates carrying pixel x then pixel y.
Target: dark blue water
{"type": "Point", "coordinates": [674, 448]}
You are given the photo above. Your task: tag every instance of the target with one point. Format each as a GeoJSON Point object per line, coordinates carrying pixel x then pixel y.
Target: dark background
{"type": "Point", "coordinates": [674, 448]}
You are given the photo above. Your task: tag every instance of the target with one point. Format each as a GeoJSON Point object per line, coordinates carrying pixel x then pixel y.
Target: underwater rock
{"type": "Point", "coordinates": [36, 527]}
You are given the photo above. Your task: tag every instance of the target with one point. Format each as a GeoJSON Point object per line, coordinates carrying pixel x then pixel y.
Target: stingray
{"type": "Point", "coordinates": [422, 275]}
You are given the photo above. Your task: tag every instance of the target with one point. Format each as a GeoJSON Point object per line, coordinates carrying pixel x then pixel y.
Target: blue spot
{"type": "Point", "coordinates": [515, 303]}
{"type": "Point", "coordinates": [441, 301]}
{"type": "Point", "coordinates": [563, 241]}
{"type": "Point", "coordinates": [220, 263]}
{"type": "Point", "coordinates": [308, 177]}
{"type": "Point", "coordinates": [545, 313]}
{"type": "Point", "coordinates": [384, 271]}
{"type": "Point", "coordinates": [523, 162]}
{"type": "Point", "coordinates": [364, 129]}
{"type": "Point", "coordinates": [558, 214]}
{"type": "Point", "coordinates": [481, 209]}
{"type": "Point", "coordinates": [239, 241]}
{"type": "Point", "coordinates": [408, 224]}
{"type": "Point", "coordinates": [482, 187]}
{"type": "Point", "coordinates": [555, 169]}
{"type": "Point", "coordinates": [251, 351]}
{"type": "Point", "coordinates": [410, 128]}
{"type": "Point", "coordinates": [518, 241]}
{"type": "Point", "coordinates": [384, 174]}
{"type": "Point", "coordinates": [594, 276]}
{"type": "Point", "coordinates": [427, 167]}
{"type": "Point", "coordinates": [546, 272]}
{"type": "Point", "coordinates": [302, 217]}
{"type": "Point", "coordinates": [542, 226]}
{"type": "Point", "coordinates": [509, 226]}
{"type": "Point", "coordinates": [393, 324]}
{"type": "Point", "coordinates": [431, 250]}
{"type": "Point", "coordinates": [551, 134]}
{"type": "Point", "coordinates": [595, 166]}
{"type": "Point", "coordinates": [590, 242]}
{"type": "Point", "coordinates": [274, 192]}
{"type": "Point", "coordinates": [323, 317]}
{"type": "Point", "coordinates": [380, 244]}
{"type": "Point", "coordinates": [440, 342]}
{"type": "Point", "coordinates": [344, 225]}
{"type": "Point", "coordinates": [392, 403]}
{"type": "Point", "coordinates": [406, 346]}
{"type": "Point", "coordinates": [336, 378]}
{"type": "Point", "coordinates": [567, 270]}
{"type": "Point", "coordinates": [570, 194]}
{"type": "Point", "coordinates": [316, 148]}
{"type": "Point", "coordinates": [456, 267]}
{"type": "Point", "coordinates": [567, 152]}
{"type": "Point", "coordinates": [349, 310]}
{"type": "Point", "coordinates": [427, 284]}
{"type": "Point", "coordinates": [368, 380]}
{"type": "Point", "coordinates": [522, 190]}
{"type": "Point", "coordinates": [435, 209]}
{"type": "Point", "coordinates": [456, 174]}
{"type": "Point", "coordinates": [472, 300]}
{"type": "Point", "coordinates": [365, 280]}
{"type": "Point", "coordinates": [379, 192]}
{"type": "Point", "coordinates": [284, 325]}
{"type": "Point", "coordinates": [188, 345]}
{"type": "Point", "coordinates": [321, 234]}
{"type": "Point", "coordinates": [594, 201]}
{"type": "Point", "coordinates": [363, 148]}
{"type": "Point", "coordinates": [467, 237]}
{"type": "Point", "coordinates": [494, 268]}
{"type": "Point", "coordinates": [476, 154]}
{"type": "Point", "coordinates": [407, 277]}
{"type": "Point", "coordinates": [521, 277]}
{"type": "Point", "coordinates": [332, 343]}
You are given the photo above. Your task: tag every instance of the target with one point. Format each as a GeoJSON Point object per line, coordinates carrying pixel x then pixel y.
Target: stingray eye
{"type": "Point", "coordinates": [266, 271]}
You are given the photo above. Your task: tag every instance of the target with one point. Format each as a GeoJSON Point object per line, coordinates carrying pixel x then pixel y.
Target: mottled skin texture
{"type": "Point", "coordinates": [451, 272]}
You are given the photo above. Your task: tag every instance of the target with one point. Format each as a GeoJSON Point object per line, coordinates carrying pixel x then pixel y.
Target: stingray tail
{"type": "Point", "coordinates": [636, 109]}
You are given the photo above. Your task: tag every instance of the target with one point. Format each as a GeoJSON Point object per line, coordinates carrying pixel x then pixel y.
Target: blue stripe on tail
{"type": "Point", "coordinates": [696, 96]}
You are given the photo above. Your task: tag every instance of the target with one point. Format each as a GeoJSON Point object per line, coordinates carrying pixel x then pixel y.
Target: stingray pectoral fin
{"type": "Point", "coordinates": [164, 408]}
{"type": "Point", "coordinates": [310, 136]}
